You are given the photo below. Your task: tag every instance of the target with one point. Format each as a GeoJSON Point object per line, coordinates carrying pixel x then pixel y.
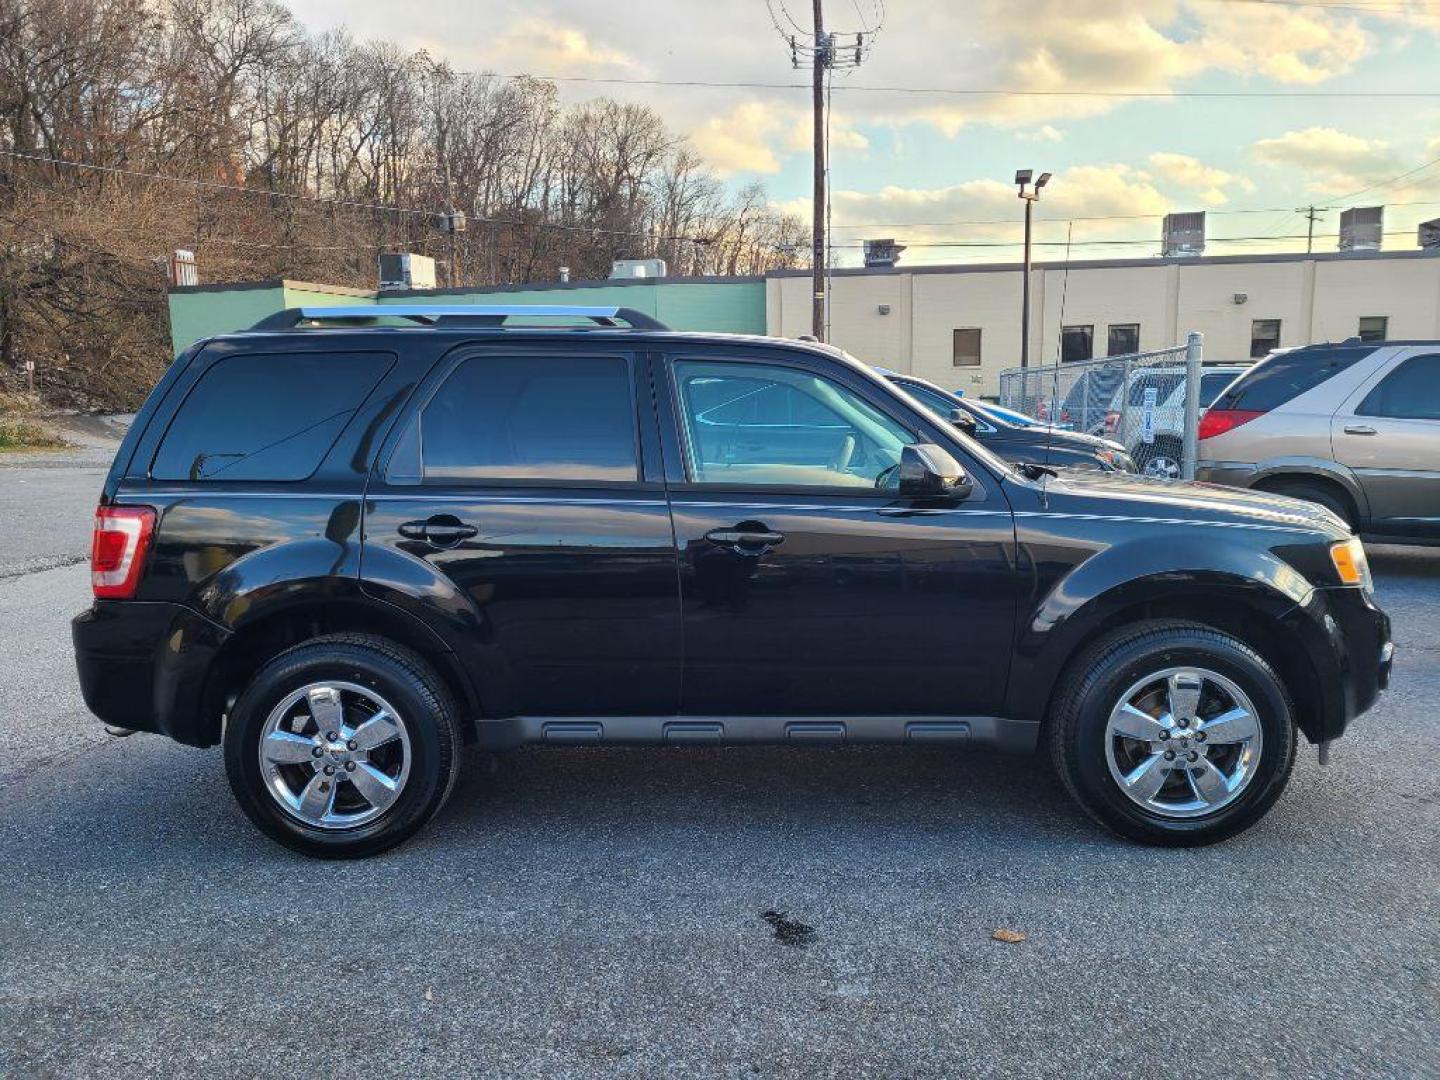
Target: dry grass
{"type": "Point", "coordinates": [18, 431]}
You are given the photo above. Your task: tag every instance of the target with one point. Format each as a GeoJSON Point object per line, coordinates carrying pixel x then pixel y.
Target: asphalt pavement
{"type": "Point", "coordinates": [740, 912]}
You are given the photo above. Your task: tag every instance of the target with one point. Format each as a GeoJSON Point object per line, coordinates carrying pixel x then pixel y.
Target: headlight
{"type": "Point", "coordinates": [1351, 564]}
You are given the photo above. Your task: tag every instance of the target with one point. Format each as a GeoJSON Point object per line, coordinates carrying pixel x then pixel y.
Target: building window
{"type": "Point", "coordinates": [1124, 338]}
{"type": "Point", "coordinates": [1077, 343]}
{"type": "Point", "coordinates": [1264, 337]}
{"type": "Point", "coordinates": [1374, 327]}
{"type": "Point", "coordinates": [966, 348]}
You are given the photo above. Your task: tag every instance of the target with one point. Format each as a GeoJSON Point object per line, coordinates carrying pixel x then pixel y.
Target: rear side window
{"type": "Point", "coordinates": [532, 418]}
{"type": "Point", "coordinates": [1410, 392]}
{"type": "Point", "coordinates": [1211, 385]}
{"type": "Point", "coordinates": [266, 417]}
{"type": "Point", "coordinates": [1278, 379]}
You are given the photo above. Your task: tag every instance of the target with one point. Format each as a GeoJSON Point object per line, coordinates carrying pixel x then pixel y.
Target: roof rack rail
{"type": "Point", "coordinates": [453, 315]}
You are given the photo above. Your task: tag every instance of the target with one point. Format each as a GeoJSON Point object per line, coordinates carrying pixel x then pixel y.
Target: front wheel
{"type": "Point", "coordinates": [1161, 459]}
{"type": "Point", "coordinates": [1173, 733]}
{"type": "Point", "coordinates": [342, 747]}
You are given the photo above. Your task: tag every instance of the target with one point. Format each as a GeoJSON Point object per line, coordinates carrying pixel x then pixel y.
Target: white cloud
{"type": "Point", "coordinates": [548, 46]}
{"type": "Point", "coordinates": [1207, 181]}
{"type": "Point", "coordinates": [1336, 162]}
{"type": "Point", "coordinates": [1044, 133]}
{"type": "Point", "coordinates": [740, 140]}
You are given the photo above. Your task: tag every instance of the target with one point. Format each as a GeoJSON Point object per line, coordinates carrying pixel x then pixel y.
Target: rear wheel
{"type": "Point", "coordinates": [342, 747]}
{"type": "Point", "coordinates": [1160, 459]}
{"type": "Point", "coordinates": [1173, 733]}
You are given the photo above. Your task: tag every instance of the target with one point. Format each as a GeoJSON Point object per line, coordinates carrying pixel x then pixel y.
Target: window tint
{"type": "Point", "coordinates": [940, 405]}
{"type": "Point", "coordinates": [271, 417]}
{"type": "Point", "coordinates": [531, 418]}
{"type": "Point", "coordinates": [1264, 337]}
{"type": "Point", "coordinates": [1164, 385]}
{"type": "Point", "coordinates": [758, 424]}
{"type": "Point", "coordinates": [1077, 342]}
{"type": "Point", "coordinates": [1410, 392]}
{"type": "Point", "coordinates": [1211, 385]}
{"type": "Point", "coordinates": [1124, 338]}
{"type": "Point", "coordinates": [1274, 381]}
{"type": "Point", "coordinates": [965, 348]}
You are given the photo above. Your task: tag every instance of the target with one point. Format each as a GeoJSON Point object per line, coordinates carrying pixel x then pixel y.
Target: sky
{"type": "Point", "coordinates": [934, 170]}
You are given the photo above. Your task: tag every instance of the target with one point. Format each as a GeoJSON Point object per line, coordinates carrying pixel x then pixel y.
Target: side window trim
{"type": "Point", "coordinates": [408, 428]}
{"type": "Point", "coordinates": [679, 471]}
{"type": "Point", "coordinates": [1393, 367]}
{"type": "Point", "coordinates": [1371, 379]}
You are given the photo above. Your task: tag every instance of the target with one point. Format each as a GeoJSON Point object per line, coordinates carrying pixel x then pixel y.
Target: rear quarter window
{"type": "Point", "coordinates": [1285, 376]}
{"type": "Point", "coordinates": [266, 417]}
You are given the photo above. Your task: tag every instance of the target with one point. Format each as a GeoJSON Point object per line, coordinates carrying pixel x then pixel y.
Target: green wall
{"type": "Point", "coordinates": [736, 307]}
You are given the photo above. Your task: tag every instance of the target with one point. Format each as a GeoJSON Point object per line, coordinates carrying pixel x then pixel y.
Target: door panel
{"type": "Point", "coordinates": [822, 594]}
{"type": "Point", "coordinates": [506, 486]}
{"type": "Point", "coordinates": [1388, 432]}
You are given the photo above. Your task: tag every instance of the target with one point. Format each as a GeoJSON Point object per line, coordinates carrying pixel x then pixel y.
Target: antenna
{"type": "Point", "coordinates": [1059, 353]}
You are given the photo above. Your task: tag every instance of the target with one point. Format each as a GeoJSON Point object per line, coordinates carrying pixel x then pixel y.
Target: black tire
{"type": "Point", "coordinates": [1332, 500]}
{"type": "Point", "coordinates": [1148, 456]}
{"type": "Point", "coordinates": [398, 675]}
{"type": "Point", "coordinates": [1092, 687]}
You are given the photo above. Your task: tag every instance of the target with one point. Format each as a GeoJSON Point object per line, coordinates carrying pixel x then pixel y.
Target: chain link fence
{"type": "Point", "coordinates": [1148, 402]}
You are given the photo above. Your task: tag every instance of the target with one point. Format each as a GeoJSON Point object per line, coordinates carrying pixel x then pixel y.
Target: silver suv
{"type": "Point", "coordinates": [1162, 453]}
{"type": "Point", "coordinates": [1355, 427]}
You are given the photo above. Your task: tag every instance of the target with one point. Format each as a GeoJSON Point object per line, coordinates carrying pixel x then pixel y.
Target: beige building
{"type": "Point", "coordinates": [959, 326]}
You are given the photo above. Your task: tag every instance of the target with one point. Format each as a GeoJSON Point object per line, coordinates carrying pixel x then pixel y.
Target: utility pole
{"type": "Point", "coordinates": [821, 60]}
{"type": "Point", "coordinates": [1312, 214]}
{"type": "Point", "coordinates": [824, 52]}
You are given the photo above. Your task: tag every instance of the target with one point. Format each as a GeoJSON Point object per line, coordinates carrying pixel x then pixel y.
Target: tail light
{"type": "Point", "coordinates": [118, 548]}
{"type": "Point", "coordinates": [1218, 421]}
{"type": "Point", "coordinates": [1112, 421]}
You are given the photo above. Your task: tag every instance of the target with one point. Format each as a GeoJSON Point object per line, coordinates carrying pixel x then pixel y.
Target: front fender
{"type": "Point", "coordinates": [1071, 605]}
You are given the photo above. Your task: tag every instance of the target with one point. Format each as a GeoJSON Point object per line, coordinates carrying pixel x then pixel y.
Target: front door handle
{"type": "Point", "coordinates": [441, 530]}
{"type": "Point", "coordinates": [1359, 429]}
{"type": "Point", "coordinates": [744, 539]}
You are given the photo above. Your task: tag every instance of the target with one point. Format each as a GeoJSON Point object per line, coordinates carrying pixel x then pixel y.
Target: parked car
{"type": "Point", "coordinates": [1087, 398]}
{"type": "Point", "coordinates": [1028, 441]}
{"type": "Point", "coordinates": [1354, 427]}
{"type": "Point", "coordinates": [1162, 454]}
{"type": "Point", "coordinates": [344, 550]}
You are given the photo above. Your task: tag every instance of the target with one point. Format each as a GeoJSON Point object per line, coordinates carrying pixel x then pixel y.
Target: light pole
{"type": "Point", "coordinates": [1022, 179]}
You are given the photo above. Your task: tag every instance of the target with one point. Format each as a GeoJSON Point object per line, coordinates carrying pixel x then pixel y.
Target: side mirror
{"type": "Point", "coordinates": [964, 421]}
{"type": "Point", "coordinates": [928, 472]}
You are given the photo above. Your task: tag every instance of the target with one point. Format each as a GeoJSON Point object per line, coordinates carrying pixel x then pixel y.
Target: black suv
{"type": "Point", "coordinates": [353, 540]}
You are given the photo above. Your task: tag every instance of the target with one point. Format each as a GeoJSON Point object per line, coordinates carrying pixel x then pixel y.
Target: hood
{"type": "Point", "coordinates": [1177, 498]}
{"type": "Point", "coordinates": [1076, 440]}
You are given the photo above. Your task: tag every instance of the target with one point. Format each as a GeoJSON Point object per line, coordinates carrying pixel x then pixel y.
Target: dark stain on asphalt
{"type": "Point", "coordinates": [789, 931]}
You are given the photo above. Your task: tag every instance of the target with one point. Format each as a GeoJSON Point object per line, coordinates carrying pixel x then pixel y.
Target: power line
{"type": "Point", "coordinates": [1381, 8]}
{"type": "Point", "coordinates": [1107, 243]}
{"type": "Point", "coordinates": [971, 91]}
{"type": "Point", "coordinates": [240, 189]}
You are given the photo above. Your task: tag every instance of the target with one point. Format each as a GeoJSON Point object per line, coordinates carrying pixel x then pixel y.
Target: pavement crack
{"type": "Point", "coordinates": [41, 565]}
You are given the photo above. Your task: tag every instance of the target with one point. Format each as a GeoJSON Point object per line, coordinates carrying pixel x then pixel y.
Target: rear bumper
{"type": "Point", "coordinates": [144, 665]}
{"type": "Point", "coordinates": [1348, 639]}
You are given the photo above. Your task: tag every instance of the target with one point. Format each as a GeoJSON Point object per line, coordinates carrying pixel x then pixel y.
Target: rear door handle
{"type": "Point", "coordinates": [745, 541]}
{"type": "Point", "coordinates": [1359, 429]}
{"type": "Point", "coordinates": [442, 530]}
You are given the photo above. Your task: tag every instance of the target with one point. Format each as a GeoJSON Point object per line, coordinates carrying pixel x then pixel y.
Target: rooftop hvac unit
{"type": "Point", "coordinates": [882, 253]}
{"type": "Point", "coordinates": [1361, 228]}
{"type": "Point", "coordinates": [1430, 236]}
{"type": "Point", "coordinates": [1184, 235]}
{"type": "Point", "coordinates": [406, 271]}
{"type": "Point", "coordinates": [637, 268]}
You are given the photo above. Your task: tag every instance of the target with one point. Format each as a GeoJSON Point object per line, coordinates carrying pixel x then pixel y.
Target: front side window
{"type": "Point", "coordinates": [1124, 338]}
{"type": "Point", "coordinates": [965, 348]}
{"type": "Point", "coordinates": [1410, 392]}
{"type": "Point", "coordinates": [761, 424]}
{"type": "Point", "coordinates": [1264, 337]}
{"type": "Point", "coordinates": [1077, 343]}
{"type": "Point", "coordinates": [268, 417]}
{"type": "Point", "coordinates": [546, 418]}
{"type": "Point", "coordinates": [1373, 327]}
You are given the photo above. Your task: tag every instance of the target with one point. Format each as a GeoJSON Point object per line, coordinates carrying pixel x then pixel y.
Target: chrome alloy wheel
{"type": "Point", "coordinates": [1162, 466]}
{"type": "Point", "coordinates": [334, 755]}
{"type": "Point", "coordinates": [1183, 742]}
